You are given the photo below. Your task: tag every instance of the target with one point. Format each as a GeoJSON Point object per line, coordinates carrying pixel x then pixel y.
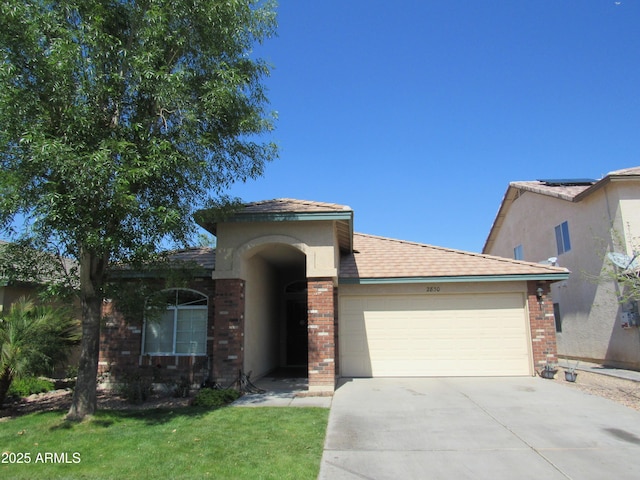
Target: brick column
{"type": "Point", "coordinates": [321, 334]}
{"type": "Point", "coordinates": [542, 324]}
{"type": "Point", "coordinates": [228, 330]}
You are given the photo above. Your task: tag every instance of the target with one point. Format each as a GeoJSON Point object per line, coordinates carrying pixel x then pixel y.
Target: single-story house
{"type": "Point", "coordinates": [291, 285]}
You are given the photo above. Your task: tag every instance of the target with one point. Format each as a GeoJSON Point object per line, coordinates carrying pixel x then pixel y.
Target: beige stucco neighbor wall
{"type": "Point", "coordinates": [591, 322]}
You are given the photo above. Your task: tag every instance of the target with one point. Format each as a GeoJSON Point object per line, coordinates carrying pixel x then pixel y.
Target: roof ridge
{"type": "Point", "coordinates": [465, 252]}
{"type": "Point", "coordinates": [300, 202]}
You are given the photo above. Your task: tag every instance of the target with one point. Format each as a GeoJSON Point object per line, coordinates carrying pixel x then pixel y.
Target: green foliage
{"type": "Point", "coordinates": [25, 386]}
{"type": "Point", "coordinates": [626, 280]}
{"type": "Point", "coordinates": [33, 339]}
{"type": "Point", "coordinates": [136, 388]}
{"type": "Point", "coordinates": [137, 290]}
{"type": "Point", "coordinates": [215, 398]}
{"type": "Point", "coordinates": [118, 120]}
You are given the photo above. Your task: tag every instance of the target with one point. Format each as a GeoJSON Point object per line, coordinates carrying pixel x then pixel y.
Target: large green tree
{"type": "Point", "coordinates": [118, 119]}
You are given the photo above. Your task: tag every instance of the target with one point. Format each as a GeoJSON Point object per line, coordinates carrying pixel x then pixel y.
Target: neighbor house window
{"type": "Point", "coordinates": [562, 238]}
{"type": "Point", "coordinates": [179, 330]}
{"type": "Point", "coordinates": [556, 315]}
{"type": "Point", "coordinates": [517, 253]}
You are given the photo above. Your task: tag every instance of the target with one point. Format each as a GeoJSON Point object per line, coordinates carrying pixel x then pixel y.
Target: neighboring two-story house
{"type": "Point", "coordinates": [577, 224]}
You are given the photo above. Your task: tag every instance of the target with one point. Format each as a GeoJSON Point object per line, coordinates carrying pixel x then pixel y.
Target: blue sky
{"type": "Point", "coordinates": [417, 114]}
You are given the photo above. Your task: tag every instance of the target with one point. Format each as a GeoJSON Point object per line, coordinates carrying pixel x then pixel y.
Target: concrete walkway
{"type": "Point", "coordinates": [477, 428]}
{"type": "Point", "coordinates": [283, 392]}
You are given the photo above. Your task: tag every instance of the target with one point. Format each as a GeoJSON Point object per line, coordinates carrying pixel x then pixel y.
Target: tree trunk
{"type": "Point", "coordinates": [92, 272]}
{"type": "Point", "coordinates": [6, 377]}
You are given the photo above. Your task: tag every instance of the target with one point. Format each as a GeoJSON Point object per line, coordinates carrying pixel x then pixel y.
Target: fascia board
{"type": "Point", "coordinates": [457, 279]}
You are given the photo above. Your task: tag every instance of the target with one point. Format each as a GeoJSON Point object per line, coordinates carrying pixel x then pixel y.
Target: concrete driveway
{"type": "Point", "coordinates": [477, 428]}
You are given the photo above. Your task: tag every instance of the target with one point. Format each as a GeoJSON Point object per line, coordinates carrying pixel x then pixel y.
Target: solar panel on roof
{"type": "Point", "coordinates": [568, 182]}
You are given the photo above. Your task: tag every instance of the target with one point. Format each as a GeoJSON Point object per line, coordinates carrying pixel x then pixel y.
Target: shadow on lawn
{"type": "Point", "coordinates": [154, 416]}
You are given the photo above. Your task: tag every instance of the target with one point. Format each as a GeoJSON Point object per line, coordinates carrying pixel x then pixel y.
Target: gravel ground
{"type": "Point", "coordinates": [625, 392]}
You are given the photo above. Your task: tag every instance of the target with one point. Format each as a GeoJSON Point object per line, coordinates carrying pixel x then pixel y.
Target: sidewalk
{"type": "Point", "coordinates": [600, 369]}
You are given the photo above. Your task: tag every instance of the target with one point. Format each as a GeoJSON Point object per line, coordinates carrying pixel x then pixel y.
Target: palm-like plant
{"type": "Point", "coordinates": [33, 339]}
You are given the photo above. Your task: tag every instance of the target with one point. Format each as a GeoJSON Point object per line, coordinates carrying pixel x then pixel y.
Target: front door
{"type": "Point", "coordinates": [297, 341]}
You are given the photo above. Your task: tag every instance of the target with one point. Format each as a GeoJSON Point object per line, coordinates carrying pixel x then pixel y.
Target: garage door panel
{"type": "Point", "coordinates": [447, 335]}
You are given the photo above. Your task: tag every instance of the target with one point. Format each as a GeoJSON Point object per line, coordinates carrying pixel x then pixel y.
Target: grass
{"type": "Point", "coordinates": [228, 443]}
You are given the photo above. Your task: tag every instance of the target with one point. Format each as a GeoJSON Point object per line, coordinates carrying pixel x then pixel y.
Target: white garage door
{"type": "Point", "coordinates": [440, 335]}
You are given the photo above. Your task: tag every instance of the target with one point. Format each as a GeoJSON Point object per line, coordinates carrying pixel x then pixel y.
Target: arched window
{"type": "Point", "coordinates": [181, 329]}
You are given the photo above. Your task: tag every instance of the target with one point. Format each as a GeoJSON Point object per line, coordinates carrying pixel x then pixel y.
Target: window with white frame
{"type": "Point", "coordinates": [181, 329]}
{"type": "Point", "coordinates": [562, 238]}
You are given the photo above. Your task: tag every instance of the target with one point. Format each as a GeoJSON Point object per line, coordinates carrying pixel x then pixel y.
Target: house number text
{"type": "Point", "coordinates": [433, 289]}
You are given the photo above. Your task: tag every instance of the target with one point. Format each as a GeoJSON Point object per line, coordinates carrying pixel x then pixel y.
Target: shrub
{"type": "Point", "coordinates": [215, 398]}
{"type": "Point", "coordinates": [135, 388]}
{"type": "Point", "coordinates": [33, 339]}
{"type": "Point", "coordinates": [25, 386]}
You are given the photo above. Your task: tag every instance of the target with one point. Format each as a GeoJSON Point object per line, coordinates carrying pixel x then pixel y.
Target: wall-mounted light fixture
{"type": "Point", "coordinates": [539, 293]}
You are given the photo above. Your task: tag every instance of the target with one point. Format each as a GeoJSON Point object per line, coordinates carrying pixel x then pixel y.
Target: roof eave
{"type": "Point", "coordinates": [497, 222]}
{"type": "Point", "coordinates": [554, 277]}
{"type": "Point", "coordinates": [603, 182]}
{"type": "Point", "coordinates": [346, 217]}
{"type": "Point", "coordinates": [123, 274]}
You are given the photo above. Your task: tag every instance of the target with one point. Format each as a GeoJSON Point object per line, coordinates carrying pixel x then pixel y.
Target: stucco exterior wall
{"type": "Point", "coordinates": [316, 240]}
{"type": "Point", "coordinates": [590, 313]}
{"type": "Point", "coordinates": [628, 220]}
{"type": "Point", "coordinates": [262, 331]}
{"type": "Point", "coordinates": [9, 294]}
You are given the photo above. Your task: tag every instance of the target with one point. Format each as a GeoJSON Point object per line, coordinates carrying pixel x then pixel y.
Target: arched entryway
{"type": "Point", "coordinates": [275, 324]}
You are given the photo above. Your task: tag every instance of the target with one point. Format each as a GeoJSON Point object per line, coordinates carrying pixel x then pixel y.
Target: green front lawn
{"type": "Point", "coordinates": [227, 443]}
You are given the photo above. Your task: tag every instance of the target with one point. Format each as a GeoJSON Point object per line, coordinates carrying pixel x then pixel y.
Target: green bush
{"type": "Point", "coordinates": [25, 386]}
{"type": "Point", "coordinates": [214, 398]}
{"type": "Point", "coordinates": [135, 388]}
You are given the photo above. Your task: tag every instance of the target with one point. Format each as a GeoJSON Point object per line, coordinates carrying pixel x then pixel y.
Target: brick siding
{"type": "Point", "coordinates": [322, 325]}
{"type": "Point", "coordinates": [542, 324]}
{"type": "Point", "coordinates": [228, 350]}
{"type": "Point", "coordinates": [121, 355]}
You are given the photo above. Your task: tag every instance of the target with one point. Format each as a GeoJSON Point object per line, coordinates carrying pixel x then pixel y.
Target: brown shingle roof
{"type": "Point", "coordinates": [626, 171]}
{"type": "Point", "coordinates": [379, 257]}
{"type": "Point", "coordinates": [290, 205]}
{"type": "Point", "coordinates": [204, 257]}
{"type": "Point", "coordinates": [565, 192]}
{"type": "Point", "coordinates": [289, 209]}
{"type": "Point", "coordinates": [570, 193]}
